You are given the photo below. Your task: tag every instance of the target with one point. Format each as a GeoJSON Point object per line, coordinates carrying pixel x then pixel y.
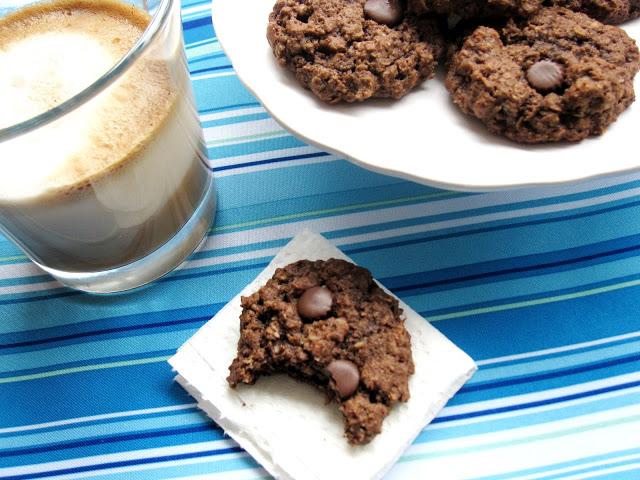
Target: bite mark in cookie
{"type": "Point", "coordinates": [357, 352]}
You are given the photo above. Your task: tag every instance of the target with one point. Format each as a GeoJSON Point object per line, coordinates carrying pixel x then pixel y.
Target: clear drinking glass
{"type": "Point", "coordinates": [110, 189]}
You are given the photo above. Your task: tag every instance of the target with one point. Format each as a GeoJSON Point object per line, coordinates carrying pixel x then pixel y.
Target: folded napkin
{"type": "Point", "coordinates": [284, 424]}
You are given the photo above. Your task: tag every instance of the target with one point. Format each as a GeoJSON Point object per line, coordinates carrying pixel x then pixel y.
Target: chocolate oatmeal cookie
{"type": "Point", "coordinates": [351, 50]}
{"type": "Point", "coordinates": [559, 75]}
{"type": "Point", "coordinates": [607, 11]}
{"type": "Point", "coordinates": [329, 324]}
{"type": "Point", "coordinates": [475, 8]}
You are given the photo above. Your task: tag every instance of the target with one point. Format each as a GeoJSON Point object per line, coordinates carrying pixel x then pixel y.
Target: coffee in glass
{"type": "Point", "coordinates": [104, 180]}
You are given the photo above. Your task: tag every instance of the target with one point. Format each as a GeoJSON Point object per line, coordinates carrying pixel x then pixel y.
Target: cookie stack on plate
{"type": "Point", "coordinates": [532, 71]}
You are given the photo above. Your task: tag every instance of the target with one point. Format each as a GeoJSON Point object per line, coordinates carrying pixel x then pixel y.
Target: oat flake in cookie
{"type": "Point", "coordinates": [341, 53]}
{"type": "Point", "coordinates": [496, 76]}
{"type": "Point", "coordinates": [349, 341]}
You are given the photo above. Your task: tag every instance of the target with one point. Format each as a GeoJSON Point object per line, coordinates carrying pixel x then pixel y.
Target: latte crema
{"type": "Point", "coordinates": [120, 174]}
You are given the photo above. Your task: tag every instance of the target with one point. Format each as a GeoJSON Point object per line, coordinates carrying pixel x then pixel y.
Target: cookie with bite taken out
{"type": "Point", "coordinates": [329, 324]}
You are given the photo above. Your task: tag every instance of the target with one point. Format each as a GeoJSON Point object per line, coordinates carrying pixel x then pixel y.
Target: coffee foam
{"type": "Point", "coordinates": [118, 176]}
{"type": "Point", "coordinates": [52, 51]}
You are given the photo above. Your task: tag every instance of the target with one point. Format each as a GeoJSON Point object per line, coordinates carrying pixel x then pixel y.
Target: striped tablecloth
{"type": "Point", "coordinates": [540, 286]}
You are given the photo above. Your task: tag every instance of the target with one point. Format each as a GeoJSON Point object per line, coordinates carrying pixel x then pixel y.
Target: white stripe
{"type": "Point", "coordinates": [491, 217]}
{"type": "Point", "coordinates": [374, 217]}
{"type": "Point", "coordinates": [586, 465]}
{"type": "Point", "coordinates": [93, 418]}
{"type": "Point", "coordinates": [545, 395]}
{"type": "Point", "coordinates": [266, 135]}
{"type": "Point", "coordinates": [151, 453]}
{"type": "Point", "coordinates": [273, 166]}
{"type": "Point", "coordinates": [232, 134]}
{"type": "Point", "coordinates": [489, 418]}
{"type": "Point", "coordinates": [262, 156]}
{"type": "Point", "coordinates": [601, 473]}
{"type": "Point", "coordinates": [244, 129]}
{"type": "Point", "coordinates": [512, 450]}
{"type": "Point", "coordinates": [231, 113]}
{"type": "Point", "coordinates": [592, 419]}
{"type": "Point", "coordinates": [250, 473]}
{"type": "Point", "coordinates": [205, 7]}
{"type": "Point", "coordinates": [551, 351]}
{"type": "Point", "coordinates": [213, 75]}
{"type": "Point", "coordinates": [199, 43]}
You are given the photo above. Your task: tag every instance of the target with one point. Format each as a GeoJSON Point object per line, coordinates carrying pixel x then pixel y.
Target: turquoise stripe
{"type": "Point", "coordinates": [501, 292]}
{"type": "Point", "coordinates": [235, 119]}
{"type": "Point", "coordinates": [112, 427]}
{"type": "Point", "coordinates": [626, 458]}
{"type": "Point", "coordinates": [498, 444]}
{"type": "Point", "coordinates": [202, 49]}
{"type": "Point", "coordinates": [148, 468]}
{"type": "Point", "coordinates": [490, 373]}
{"type": "Point", "coordinates": [537, 416]}
{"type": "Point", "coordinates": [91, 352]}
{"type": "Point", "coordinates": [264, 146]}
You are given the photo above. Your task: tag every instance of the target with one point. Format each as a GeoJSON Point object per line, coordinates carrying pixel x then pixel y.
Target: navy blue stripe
{"type": "Point", "coordinates": [109, 439]}
{"type": "Point", "coordinates": [269, 161]}
{"type": "Point", "coordinates": [515, 270]}
{"type": "Point", "coordinates": [511, 225]}
{"type": "Point", "coordinates": [211, 69]}
{"type": "Point", "coordinates": [175, 275]}
{"type": "Point", "coordinates": [351, 251]}
{"type": "Point", "coordinates": [208, 273]}
{"type": "Point", "coordinates": [106, 331]}
{"type": "Point", "coordinates": [538, 403]}
{"type": "Point", "coordinates": [545, 376]}
{"type": "Point", "coordinates": [67, 292]}
{"type": "Point", "coordinates": [123, 322]}
{"type": "Point", "coordinates": [226, 108]}
{"type": "Point", "coordinates": [197, 22]}
{"type": "Point", "coordinates": [125, 463]}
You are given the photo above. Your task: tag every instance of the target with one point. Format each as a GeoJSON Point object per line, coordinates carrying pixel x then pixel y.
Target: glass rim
{"type": "Point", "coordinates": [158, 19]}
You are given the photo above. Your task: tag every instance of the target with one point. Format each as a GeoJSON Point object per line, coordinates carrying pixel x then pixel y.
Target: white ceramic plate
{"type": "Point", "coordinates": [423, 137]}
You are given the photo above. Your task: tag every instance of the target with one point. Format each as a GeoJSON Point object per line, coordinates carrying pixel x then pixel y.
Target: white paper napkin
{"type": "Point", "coordinates": [284, 424]}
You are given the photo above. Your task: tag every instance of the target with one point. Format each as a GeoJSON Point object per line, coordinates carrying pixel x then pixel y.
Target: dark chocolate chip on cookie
{"type": "Point", "coordinates": [558, 75]}
{"type": "Point", "coordinates": [352, 50]}
{"type": "Point", "coordinates": [328, 323]}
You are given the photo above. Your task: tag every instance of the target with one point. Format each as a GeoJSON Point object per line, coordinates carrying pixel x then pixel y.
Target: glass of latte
{"type": "Point", "coordinates": [104, 178]}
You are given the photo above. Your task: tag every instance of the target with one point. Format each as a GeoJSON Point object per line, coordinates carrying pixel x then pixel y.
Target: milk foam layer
{"type": "Point", "coordinates": [115, 178]}
{"type": "Point", "coordinates": [52, 51]}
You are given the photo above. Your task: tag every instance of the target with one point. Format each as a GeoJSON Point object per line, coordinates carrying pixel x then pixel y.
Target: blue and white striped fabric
{"type": "Point", "coordinates": [540, 286]}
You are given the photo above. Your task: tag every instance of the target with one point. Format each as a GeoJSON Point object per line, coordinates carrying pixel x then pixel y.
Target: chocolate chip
{"type": "Point", "coordinates": [346, 375]}
{"type": "Point", "coordinates": [315, 302]}
{"type": "Point", "coordinates": [387, 12]}
{"type": "Point", "coordinates": [545, 75]}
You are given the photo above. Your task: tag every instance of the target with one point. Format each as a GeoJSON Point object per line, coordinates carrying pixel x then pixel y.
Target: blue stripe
{"type": "Point", "coordinates": [617, 362]}
{"type": "Point", "coordinates": [106, 439]}
{"type": "Point", "coordinates": [538, 403]}
{"type": "Point", "coordinates": [123, 463]}
{"type": "Point", "coordinates": [270, 161]}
